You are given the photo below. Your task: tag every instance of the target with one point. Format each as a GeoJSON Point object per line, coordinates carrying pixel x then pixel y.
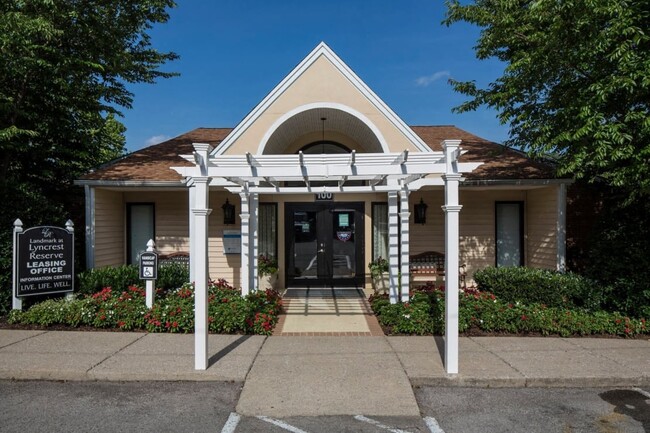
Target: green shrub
{"type": "Point", "coordinates": [172, 276]}
{"type": "Point", "coordinates": [486, 312]}
{"type": "Point", "coordinates": [404, 318]}
{"type": "Point", "coordinates": [118, 278]}
{"type": "Point", "coordinates": [529, 285]}
{"type": "Point", "coordinates": [73, 312]}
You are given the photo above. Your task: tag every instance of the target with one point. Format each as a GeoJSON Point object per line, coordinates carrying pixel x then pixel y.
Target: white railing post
{"type": "Point", "coordinates": [404, 252]}
{"type": "Point", "coordinates": [245, 272]}
{"type": "Point", "coordinates": [393, 246]}
{"type": "Point", "coordinates": [69, 226]}
{"type": "Point", "coordinates": [16, 302]}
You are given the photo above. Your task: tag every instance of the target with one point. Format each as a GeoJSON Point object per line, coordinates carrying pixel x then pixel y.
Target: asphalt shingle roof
{"type": "Point", "coordinates": [152, 163]}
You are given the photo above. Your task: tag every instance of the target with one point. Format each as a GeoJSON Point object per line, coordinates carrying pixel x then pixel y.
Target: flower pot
{"type": "Point", "coordinates": [267, 281]}
{"type": "Point", "coordinates": [381, 283]}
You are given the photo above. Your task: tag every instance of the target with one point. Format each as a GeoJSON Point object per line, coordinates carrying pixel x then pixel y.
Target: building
{"type": "Point", "coordinates": [325, 177]}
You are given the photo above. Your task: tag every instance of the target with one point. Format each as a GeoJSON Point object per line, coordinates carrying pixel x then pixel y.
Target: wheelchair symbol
{"type": "Point", "coordinates": [147, 272]}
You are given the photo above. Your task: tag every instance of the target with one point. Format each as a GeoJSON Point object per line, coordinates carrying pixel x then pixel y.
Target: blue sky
{"type": "Point", "coordinates": [234, 52]}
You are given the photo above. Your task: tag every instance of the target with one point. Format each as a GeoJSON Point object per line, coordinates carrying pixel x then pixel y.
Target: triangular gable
{"type": "Point", "coordinates": [322, 50]}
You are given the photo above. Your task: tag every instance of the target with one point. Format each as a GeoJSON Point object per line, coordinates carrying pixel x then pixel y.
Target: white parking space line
{"type": "Point", "coordinates": [378, 424]}
{"type": "Point", "coordinates": [231, 423]}
{"type": "Point", "coordinates": [281, 424]}
{"type": "Point", "coordinates": [640, 391]}
{"type": "Point", "coordinates": [433, 425]}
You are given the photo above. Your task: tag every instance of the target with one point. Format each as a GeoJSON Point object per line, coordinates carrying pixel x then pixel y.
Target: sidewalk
{"type": "Point", "coordinates": [289, 375]}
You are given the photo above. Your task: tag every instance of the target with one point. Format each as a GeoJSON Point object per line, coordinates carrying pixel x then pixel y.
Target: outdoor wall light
{"type": "Point", "coordinates": [421, 212]}
{"type": "Point", "coordinates": [228, 213]}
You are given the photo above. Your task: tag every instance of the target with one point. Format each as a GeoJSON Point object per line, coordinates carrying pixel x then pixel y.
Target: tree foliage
{"type": "Point", "coordinates": [576, 82]}
{"type": "Point", "coordinates": [65, 67]}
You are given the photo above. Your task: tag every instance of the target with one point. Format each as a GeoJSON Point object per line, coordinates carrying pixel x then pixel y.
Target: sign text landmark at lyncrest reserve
{"type": "Point", "coordinates": [45, 261]}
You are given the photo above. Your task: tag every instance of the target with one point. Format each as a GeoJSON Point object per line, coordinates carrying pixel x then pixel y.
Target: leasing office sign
{"type": "Point", "coordinates": [45, 261]}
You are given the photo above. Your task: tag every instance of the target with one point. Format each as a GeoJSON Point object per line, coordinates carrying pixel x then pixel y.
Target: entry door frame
{"type": "Point", "coordinates": [324, 233]}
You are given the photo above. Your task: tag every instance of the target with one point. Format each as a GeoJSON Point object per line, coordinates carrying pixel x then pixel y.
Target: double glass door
{"type": "Point", "coordinates": [324, 244]}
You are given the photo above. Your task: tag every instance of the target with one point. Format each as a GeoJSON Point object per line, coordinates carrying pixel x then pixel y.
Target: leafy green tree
{"type": "Point", "coordinates": [576, 82]}
{"type": "Point", "coordinates": [65, 67]}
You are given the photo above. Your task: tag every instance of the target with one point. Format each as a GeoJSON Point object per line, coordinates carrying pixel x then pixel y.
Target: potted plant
{"type": "Point", "coordinates": [267, 271]}
{"type": "Point", "coordinates": [379, 273]}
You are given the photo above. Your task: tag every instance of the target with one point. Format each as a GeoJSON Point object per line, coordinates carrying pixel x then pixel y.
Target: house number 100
{"type": "Point", "coordinates": [324, 196]}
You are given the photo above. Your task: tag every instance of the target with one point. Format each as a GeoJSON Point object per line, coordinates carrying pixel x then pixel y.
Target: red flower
{"type": "Point", "coordinates": [523, 317]}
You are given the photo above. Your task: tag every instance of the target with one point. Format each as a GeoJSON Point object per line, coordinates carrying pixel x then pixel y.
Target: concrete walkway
{"type": "Point", "coordinates": [287, 376]}
{"type": "Point", "coordinates": [327, 312]}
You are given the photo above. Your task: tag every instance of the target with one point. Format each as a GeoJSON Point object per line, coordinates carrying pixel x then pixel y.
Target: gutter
{"type": "Point", "coordinates": [515, 182]}
{"type": "Point", "coordinates": [130, 183]}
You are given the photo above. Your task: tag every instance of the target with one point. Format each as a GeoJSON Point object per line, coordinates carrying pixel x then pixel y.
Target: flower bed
{"type": "Point", "coordinates": [484, 312]}
{"type": "Point", "coordinates": [173, 311]}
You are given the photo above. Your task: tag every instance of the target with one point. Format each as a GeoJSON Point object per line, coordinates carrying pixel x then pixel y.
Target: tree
{"type": "Point", "coordinates": [576, 83]}
{"type": "Point", "coordinates": [64, 70]}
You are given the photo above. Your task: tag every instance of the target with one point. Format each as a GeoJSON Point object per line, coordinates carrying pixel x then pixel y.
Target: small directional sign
{"type": "Point", "coordinates": [148, 266]}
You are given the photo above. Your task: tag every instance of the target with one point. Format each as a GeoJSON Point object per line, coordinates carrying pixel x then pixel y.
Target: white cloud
{"type": "Point", "coordinates": [428, 79]}
{"type": "Point", "coordinates": [156, 139]}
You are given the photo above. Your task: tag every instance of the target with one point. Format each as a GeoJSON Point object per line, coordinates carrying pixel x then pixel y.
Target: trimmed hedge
{"type": "Point", "coordinates": [529, 285]}
{"type": "Point", "coordinates": [173, 311]}
{"type": "Point", "coordinates": [170, 276]}
{"type": "Point", "coordinates": [424, 315]}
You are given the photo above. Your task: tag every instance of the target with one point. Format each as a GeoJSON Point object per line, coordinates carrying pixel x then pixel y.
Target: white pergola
{"type": "Point", "coordinates": [396, 174]}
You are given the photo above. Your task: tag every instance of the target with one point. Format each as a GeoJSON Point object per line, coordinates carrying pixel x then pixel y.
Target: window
{"type": "Point", "coordinates": [379, 230]}
{"type": "Point", "coordinates": [268, 230]}
{"type": "Point", "coordinates": [140, 228]}
{"type": "Point", "coordinates": [509, 233]}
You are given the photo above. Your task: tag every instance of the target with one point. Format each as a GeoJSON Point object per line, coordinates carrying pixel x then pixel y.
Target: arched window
{"type": "Point", "coordinates": [324, 146]}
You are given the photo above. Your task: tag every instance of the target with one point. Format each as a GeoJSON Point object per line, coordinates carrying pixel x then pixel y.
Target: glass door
{"type": "Point", "coordinates": [324, 244]}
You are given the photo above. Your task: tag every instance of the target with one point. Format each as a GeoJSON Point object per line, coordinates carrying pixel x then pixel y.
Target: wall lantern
{"type": "Point", "coordinates": [421, 212]}
{"type": "Point", "coordinates": [228, 213]}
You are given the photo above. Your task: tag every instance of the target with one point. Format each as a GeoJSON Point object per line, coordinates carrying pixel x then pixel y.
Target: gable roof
{"type": "Point", "coordinates": [324, 51]}
{"type": "Point", "coordinates": [152, 164]}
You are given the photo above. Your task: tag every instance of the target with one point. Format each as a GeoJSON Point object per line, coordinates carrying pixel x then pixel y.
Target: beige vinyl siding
{"type": "Point", "coordinates": [109, 228]}
{"type": "Point", "coordinates": [429, 236]}
{"type": "Point", "coordinates": [171, 218]}
{"type": "Point", "coordinates": [541, 216]}
{"type": "Point", "coordinates": [477, 226]}
{"type": "Point", "coordinates": [227, 266]}
{"type": "Point", "coordinates": [477, 242]}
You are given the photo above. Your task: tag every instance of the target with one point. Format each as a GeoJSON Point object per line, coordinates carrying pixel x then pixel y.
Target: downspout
{"type": "Point", "coordinates": [561, 227]}
{"type": "Point", "coordinates": [89, 193]}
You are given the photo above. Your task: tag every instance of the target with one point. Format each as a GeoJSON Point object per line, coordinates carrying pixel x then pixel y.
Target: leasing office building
{"type": "Point", "coordinates": [324, 176]}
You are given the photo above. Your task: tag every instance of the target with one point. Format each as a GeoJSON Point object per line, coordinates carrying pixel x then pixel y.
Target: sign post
{"type": "Point", "coordinates": [43, 261]}
{"type": "Point", "coordinates": [149, 271]}
{"type": "Point", "coordinates": [16, 302]}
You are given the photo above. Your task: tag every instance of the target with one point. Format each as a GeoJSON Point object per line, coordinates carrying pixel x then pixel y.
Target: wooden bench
{"type": "Point", "coordinates": [430, 267]}
{"type": "Point", "coordinates": [179, 257]}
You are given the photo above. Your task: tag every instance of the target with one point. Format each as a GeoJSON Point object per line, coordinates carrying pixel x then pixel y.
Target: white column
{"type": "Point", "coordinates": [404, 244]}
{"type": "Point", "coordinates": [393, 246]}
{"type": "Point", "coordinates": [561, 227]}
{"type": "Point", "coordinates": [16, 302]}
{"type": "Point", "coordinates": [245, 275]}
{"type": "Point", "coordinates": [90, 226]}
{"type": "Point", "coordinates": [192, 205]}
{"type": "Point", "coordinates": [253, 242]}
{"type": "Point", "coordinates": [199, 261]}
{"type": "Point", "coordinates": [452, 210]}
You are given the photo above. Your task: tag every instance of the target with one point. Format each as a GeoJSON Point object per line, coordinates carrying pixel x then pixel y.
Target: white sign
{"type": "Point", "coordinates": [231, 242]}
